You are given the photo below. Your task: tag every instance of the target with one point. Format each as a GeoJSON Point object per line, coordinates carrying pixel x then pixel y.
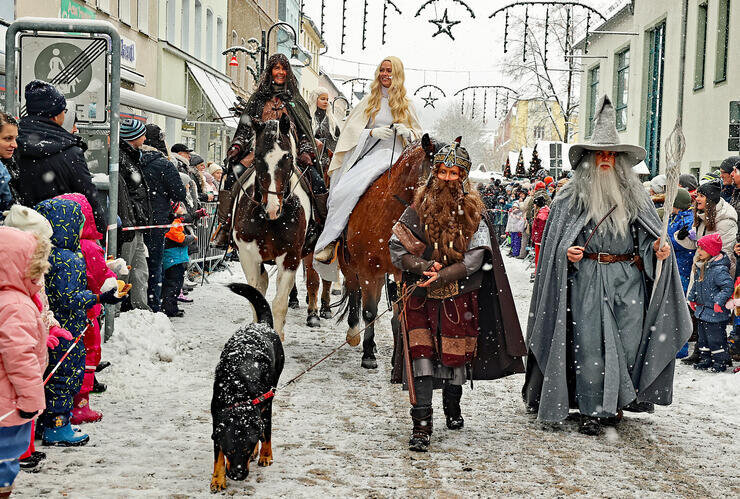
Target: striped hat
{"type": "Point", "coordinates": [132, 129]}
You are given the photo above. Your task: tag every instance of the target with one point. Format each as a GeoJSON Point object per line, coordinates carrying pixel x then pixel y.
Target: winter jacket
{"type": "Point", "coordinates": [130, 171]}
{"type": "Point", "coordinates": [727, 191]}
{"type": "Point", "coordinates": [51, 161]}
{"type": "Point", "coordinates": [716, 288]}
{"type": "Point", "coordinates": [6, 198]}
{"type": "Point", "coordinates": [530, 208]}
{"type": "Point", "coordinates": [735, 202]}
{"type": "Point", "coordinates": [22, 330]}
{"type": "Point", "coordinates": [684, 257]}
{"type": "Point", "coordinates": [66, 281]}
{"type": "Point", "coordinates": [726, 227]}
{"type": "Point", "coordinates": [516, 222]}
{"type": "Point", "coordinates": [176, 244]}
{"type": "Point", "coordinates": [538, 225]}
{"type": "Point", "coordinates": [164, 183]}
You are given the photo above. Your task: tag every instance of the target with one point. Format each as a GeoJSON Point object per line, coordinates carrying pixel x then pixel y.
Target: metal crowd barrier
{"type": "Point", "coordinates": [206, 258]}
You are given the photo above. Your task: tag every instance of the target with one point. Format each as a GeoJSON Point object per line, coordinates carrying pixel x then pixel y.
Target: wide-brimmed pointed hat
{"type": "Point", "coordinates": [605, 137]}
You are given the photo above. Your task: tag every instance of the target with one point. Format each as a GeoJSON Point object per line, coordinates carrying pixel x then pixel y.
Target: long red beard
{"type": "Point", "coordinates": [448, 217]}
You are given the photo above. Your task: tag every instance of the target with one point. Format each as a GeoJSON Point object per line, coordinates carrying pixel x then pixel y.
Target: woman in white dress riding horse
{"type": "Point", "coordinates": [377, 130]}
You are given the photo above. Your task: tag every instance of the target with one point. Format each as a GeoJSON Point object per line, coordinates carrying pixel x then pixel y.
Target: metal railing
{"type": "Point", "coordinates": [206, 258]}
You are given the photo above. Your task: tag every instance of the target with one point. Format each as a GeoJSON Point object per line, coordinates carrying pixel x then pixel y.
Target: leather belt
{"type": "Point", "coordinates": [606, 258]}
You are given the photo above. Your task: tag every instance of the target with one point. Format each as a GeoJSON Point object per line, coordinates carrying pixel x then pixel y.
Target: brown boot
{"type": "Point", "coordinates": [319, 207]}
{"type": "Point", "coordinates": [422, 432]}
{"type": "Point", "coordinates": [222, 237]}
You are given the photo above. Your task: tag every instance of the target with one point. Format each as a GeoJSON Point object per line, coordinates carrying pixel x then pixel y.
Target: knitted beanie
{"type": "Point", "coordinates": [688, 181]}
{"type": "Point", "coordinates": [43, 99]}
{"type": "Point", "coordinates": [132, 129]}
{"type": "Point", "coordinates": [214, 168]}
{"type": "Point", "coordinates": [683, 200]}
{"type": "Point", "coordinates": [28, 220]}
{"type": "Point", "coordinates": [657, 184]}
{"type": "Point", "coordinates": [711, 243]}
{"type": "Point", "coordinates": [195, 160]}
{"type": "Point", "coordinates": [711, 190]}
{"type": "Point", "coordinates": [730, 164]}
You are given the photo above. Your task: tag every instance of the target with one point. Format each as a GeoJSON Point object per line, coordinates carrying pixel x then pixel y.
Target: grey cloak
{"type": "Point", "coordinates": [550, 381]}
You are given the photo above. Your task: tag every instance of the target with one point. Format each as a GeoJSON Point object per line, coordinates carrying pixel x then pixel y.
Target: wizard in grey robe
{"type": "Point", "coordinates": [602, 334]}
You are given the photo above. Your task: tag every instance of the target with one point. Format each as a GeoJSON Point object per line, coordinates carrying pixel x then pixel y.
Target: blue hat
{"type": "Point", "coordinates": [43, 99]}
{"type": "Point", "coordinates": [132, 129]}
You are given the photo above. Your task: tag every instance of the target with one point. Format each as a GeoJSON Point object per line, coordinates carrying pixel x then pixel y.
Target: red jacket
{"type": "Point", "coordinates": [538, 225]}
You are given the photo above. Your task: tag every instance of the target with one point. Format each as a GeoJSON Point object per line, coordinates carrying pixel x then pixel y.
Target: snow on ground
{"type": "Point", "coordinates": [343, 431]}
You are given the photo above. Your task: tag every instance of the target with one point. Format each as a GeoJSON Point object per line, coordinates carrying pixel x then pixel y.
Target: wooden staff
{"type": "Point", "coordinates": [407, 351]}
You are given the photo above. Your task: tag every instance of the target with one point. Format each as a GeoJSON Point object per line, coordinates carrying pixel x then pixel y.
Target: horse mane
{"type": "Point", "coordinates": [405, 175]}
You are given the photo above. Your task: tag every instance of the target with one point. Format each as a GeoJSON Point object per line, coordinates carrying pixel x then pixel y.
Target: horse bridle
{"type": "Point", "coordinates": [286, 193]}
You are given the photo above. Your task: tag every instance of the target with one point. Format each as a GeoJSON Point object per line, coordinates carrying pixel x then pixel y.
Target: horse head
{"type": "Point", "coordinates": [274, 159]}
{"type": "Point", "coordinates": [430, 147]}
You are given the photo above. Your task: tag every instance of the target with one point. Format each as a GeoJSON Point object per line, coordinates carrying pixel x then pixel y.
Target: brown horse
{"type": "Point", "coordinates": [365, 259]}
{"type": "Point", "coordinates": [271, 216]}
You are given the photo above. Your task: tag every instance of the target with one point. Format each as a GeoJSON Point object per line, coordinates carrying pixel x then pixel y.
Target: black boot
{"type": "Point", "coordinates": [98, 387]}
{"type": "Point", "coordinates": [319, 208]}
{"type": "Point", "coordinates": [590, 426]}
{"type": "Point", "coordinates": [451, 395]}
{"type": "Point", "coordinates": [694, 357]}
{"type": "Point", "coordinates": [422, 432]}
{"type": "Point", "coordinates": [705, 360]}
{"type": "Point", "coordinates": [222, 236]}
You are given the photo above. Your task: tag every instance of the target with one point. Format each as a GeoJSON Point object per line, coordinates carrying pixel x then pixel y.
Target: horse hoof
{"type": "Point", "coordinates": [353, 337]}
{"type": "Point", "coordinates": [294, 304]}
{"type": "Point", "coordinates": [313, 320]}
{"type": "Point", "coordinates": [369, 363]}
{"type": "Point", "coordinates": [326, 313]}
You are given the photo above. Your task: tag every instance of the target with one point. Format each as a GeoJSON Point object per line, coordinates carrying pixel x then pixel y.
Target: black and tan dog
{"type": "Point", "coordinates": [241, 408]}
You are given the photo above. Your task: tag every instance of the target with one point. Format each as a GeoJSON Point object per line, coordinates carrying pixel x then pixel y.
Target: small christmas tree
{"type": "Point", "coordinates": [520, 171]}
{"type": "Point", "coordinates": [507, 169]}
{"type": "Point", "coordinates": [535, 164]}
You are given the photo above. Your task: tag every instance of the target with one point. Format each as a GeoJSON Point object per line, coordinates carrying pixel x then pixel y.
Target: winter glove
{"type": "Point", "coordinates": [56, 332]}
{"type": "Point", "coordinates": [682, 234]}
{"type": "Point", "coordinates": [403, 131]}
{"type": "Point", "coordinates": [109, 297]}
{"type": "Point", "coordinates": [52, 342]}
{"type": "Point", "coordinates": [692, 234]}
{"type": "Point", "coordinates": [382, 133]}
{"type": "Point", "coordinates": [201, 213]}
{"type": "Point", "coordinates": [692, 305]}
{"type": "Point", "coordinates": [27, 415]}
{"type": "Point", "coordinates": [718, 308]}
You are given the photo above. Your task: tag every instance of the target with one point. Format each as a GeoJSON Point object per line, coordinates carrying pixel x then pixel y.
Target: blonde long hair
{"type": "Point", "coordinates": [397, 99]}
{"type": "Point", "coordinates": [312, 106]}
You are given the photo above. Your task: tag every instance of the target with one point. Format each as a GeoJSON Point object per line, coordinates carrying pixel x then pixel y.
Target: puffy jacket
{"type": "Point", "coordinates": [96, 270]}
{"type": "Point", "coordinates": [176, 244]}
{"type": "Point", "coordinates": [516, 221]}
{"type": "Point", "coordinates": [66, 281]}
{"type": "Point", "coordinates": [130, 166]}
{"type": "Point", "coordinates": [684, 256]}
{"type": "Point", "coordinates": [538, 225]}
{"type": "Point", "coordinates": [163, 180]}
{"type": "Point", "coordinates": [715, 288]}
{"type": "Point", "coordinates": [22, 331]}
{"type": "Point", "coordinates": [51, 161]}
{"type": "Point", "coordinates": [726, 227]}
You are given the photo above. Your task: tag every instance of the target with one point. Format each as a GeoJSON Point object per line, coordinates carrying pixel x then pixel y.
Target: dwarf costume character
{"type": "Point", "coordinates": [270, 102]}
{"type": "Point", "coordinates": [603, 333]}
{"type": "Point", "coordinates": [464, 324]}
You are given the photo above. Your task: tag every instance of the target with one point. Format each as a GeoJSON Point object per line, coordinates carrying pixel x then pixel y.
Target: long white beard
{"type": "Point", "coordinates": [605, 193]}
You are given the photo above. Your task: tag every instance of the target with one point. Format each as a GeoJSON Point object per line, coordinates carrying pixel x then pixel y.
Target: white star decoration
{"type": "Point", "coordinates": [444, 25]}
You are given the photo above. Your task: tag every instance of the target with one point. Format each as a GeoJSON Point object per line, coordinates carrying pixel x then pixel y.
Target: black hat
{"type": "Point", "coordinates": [730, 164]}
{"type": "Point", "coordinates": [155, 138]}
{"type": "Point", "coordinates": [195, 160]}
{"type": "Point", "coordinates": [180, 148]}
{"type": "Point", "coordinates": [711, 190]}
{"type": "Point", "coordinates": [688, 181]}
{"type": "Point", "coordinates": [43, 99]}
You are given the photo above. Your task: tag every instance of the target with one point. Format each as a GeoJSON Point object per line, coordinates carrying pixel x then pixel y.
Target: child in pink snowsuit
{"type": "Point", "coordinates": [99, 280]}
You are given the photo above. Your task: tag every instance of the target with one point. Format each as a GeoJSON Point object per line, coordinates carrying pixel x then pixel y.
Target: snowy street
{"type": "Point", "coordinates": [342, 431]}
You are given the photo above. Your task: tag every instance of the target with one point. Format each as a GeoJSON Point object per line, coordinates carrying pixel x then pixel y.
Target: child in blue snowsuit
{"type": "Point", "coordinates": [710, 292]}
{"type": "Point", "coordinates": [69, 299]}
{"type": "Point", "coordinates": [680, 223]}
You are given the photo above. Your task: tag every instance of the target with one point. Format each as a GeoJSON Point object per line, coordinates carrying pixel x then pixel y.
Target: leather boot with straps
{"type": "Point", "coordinates": [222, 236]}
{"type": "Point", "coordinates": [422, 431]}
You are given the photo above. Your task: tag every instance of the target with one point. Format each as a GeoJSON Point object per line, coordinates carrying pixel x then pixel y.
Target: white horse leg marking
{"type": "Point", "coordinates": [250, 260]}
{"type": "Point", "coordinates": [285, 281]}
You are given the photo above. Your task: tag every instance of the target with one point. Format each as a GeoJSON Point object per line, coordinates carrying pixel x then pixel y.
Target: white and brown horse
{"type": "Point", "coordinates": [271, 214]}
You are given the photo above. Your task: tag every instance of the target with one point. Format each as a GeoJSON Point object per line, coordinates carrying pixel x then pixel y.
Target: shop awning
{"type": "Point", "coordinates": [218, 92]}
{"type": "Point", "coordinates": [151, 104]}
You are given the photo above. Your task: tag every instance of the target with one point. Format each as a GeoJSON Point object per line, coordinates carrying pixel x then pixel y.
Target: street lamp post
{"type": "Point", "coordinates": [254, 47]}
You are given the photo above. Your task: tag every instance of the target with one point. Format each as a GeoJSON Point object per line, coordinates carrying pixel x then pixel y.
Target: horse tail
{"type": "Point", "coordinates": [258, 301]}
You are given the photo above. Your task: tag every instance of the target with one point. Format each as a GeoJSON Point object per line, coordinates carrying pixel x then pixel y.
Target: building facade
{"type": "Point", "coordinates": [640, 72]}
{"type": "Point", "coordinates": [311, 45]}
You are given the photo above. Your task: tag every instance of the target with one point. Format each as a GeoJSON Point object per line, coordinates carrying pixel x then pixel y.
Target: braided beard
{"type": "Point", "coordinates": [449, 218]}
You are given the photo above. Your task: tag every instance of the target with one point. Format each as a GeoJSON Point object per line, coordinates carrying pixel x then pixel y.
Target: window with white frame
{"type": "Point", "coordinates": [170, 13]}
{"type": "Point", "coordinates": [220, 38]}
{"type": "Point", "coordinates": [539, 132]}
{"type": "Point", "coordinates": [124, 11]}
{"type": "Point", "coordinates": [142, 16]}
{"type": "Point", "coordinates": [185, 27]}
{"type": "Point", "coordinates": [209, 37]}
{"type": "Point", "coordinates": [197, 35]}
{"type": "Point", "coordinates": [556, 157]}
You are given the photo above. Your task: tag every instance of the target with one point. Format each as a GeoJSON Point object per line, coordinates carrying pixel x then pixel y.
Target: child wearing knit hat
{"type": "Point", "coordinates": [711, 289]}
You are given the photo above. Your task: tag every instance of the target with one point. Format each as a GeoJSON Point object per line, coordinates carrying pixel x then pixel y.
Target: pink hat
{"type": "Point", "coordinates": [711, 243]}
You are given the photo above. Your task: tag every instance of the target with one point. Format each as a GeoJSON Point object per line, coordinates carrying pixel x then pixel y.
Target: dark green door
{"type": "Point", "coordinates": [654, 108]}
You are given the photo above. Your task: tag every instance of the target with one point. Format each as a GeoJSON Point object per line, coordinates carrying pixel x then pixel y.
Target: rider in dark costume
{"type": "Point", "coordinates": [277, 94]}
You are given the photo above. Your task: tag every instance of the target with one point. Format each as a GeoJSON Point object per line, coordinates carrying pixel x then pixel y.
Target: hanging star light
{"type": "Point", "coordinates": [444, 25]}
{"type": "Point", "coordinates": [429, 100]}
